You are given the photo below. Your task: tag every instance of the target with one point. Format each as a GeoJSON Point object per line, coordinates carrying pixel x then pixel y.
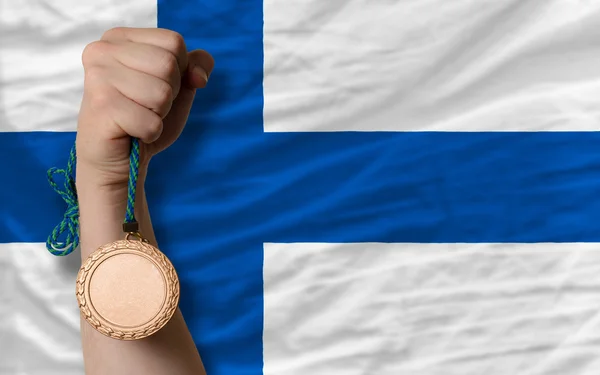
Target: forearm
{"type": "Point", "coordinates": [169, 351]}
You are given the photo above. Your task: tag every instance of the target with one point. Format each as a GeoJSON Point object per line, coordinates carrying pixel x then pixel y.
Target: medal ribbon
{"type": "Point", "coordinates": [68, 192]}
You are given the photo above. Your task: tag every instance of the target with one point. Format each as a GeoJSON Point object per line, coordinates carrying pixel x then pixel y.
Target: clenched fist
{"type": "Point", "coordinates": [138, 83]}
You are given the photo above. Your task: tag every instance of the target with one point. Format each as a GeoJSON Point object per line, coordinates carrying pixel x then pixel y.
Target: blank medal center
{"type": "Point", "coordinates": [127, 290]}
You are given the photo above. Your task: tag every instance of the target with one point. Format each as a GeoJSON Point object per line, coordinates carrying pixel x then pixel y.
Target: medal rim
{"type": "Point", "coordinates": [152, 254]}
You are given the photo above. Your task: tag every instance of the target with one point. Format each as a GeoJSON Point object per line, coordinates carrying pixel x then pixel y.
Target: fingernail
{"type": "Point", "coordinates": [198, 70]}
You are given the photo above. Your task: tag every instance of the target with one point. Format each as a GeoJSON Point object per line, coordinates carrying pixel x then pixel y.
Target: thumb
{"type": "Point", "coordinates": [200, 66]}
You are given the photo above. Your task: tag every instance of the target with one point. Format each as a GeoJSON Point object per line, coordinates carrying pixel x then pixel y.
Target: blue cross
{"type": "Point", "coordinates": [227, 187]}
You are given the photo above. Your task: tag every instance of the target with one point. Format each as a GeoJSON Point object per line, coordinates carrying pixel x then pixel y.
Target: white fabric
{"type": "Point", "coordinates": [39, 330]}
{"type": "Point", "coordinates": [41, 41]}
{"type": "Point", "coordinates": [362, 65]}
{"type": "Point", "coordinates": [431, 309]}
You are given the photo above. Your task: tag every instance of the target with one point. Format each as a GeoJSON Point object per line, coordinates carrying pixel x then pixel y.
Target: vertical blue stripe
{"type": "Point", "coordinates": [221, 275]}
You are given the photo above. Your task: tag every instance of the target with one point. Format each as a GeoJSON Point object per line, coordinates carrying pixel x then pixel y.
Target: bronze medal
{"type": "Point", "coordinates": [127, 289]}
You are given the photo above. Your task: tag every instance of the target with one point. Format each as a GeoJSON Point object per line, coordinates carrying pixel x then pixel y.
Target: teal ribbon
{"type": "Point", "coordinates": [69, 226]}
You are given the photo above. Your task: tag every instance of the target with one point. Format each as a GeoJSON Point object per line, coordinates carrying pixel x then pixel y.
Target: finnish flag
{"type": "Point", "coordinates": [364, 187]}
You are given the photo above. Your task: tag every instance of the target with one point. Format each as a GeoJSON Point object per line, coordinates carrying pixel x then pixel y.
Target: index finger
{"type": "Point", "coordinates": [163, 38]}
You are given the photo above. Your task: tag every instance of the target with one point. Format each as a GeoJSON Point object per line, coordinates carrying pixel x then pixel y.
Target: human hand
{"type": "Point", "coordinates": [139, 82]}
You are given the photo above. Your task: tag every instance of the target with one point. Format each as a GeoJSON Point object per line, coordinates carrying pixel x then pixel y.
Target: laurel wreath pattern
{"type": "Point", "coordinates": [172, 294]}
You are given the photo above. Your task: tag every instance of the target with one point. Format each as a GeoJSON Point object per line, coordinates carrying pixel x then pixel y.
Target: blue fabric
{"type": "Point", "coordinates": [226, 187]}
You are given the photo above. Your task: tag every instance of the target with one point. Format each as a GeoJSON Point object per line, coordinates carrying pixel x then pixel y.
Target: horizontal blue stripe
{"type": "Point", "coordinates": [339, 187]}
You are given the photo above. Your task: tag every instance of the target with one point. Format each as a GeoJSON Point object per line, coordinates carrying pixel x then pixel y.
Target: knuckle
{"type": "Point", "coordinates": [169, 66]}
{"type": "Point", "coordinates": [175, 86]}
{"type": "Point", "coordinates": [113, 32]}
{"type": "Point", "coordinates": [164, 93]}
{"type": "Point", "coordinates": [153, 128]}
{"type": "Point", "coordinates": [174, 41]}
{"type": "Point", "coordinates": [93, 52]}
{"type": "Point", "coordinates": [99, 99]}
{"type": "Point", "coordinates": [94, 76]}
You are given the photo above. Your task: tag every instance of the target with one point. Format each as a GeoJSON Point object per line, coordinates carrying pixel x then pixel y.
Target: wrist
{"type": "Point", "coordinates": [102, 208]}
{"type": "Point", "coordinates": [107, 181]}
